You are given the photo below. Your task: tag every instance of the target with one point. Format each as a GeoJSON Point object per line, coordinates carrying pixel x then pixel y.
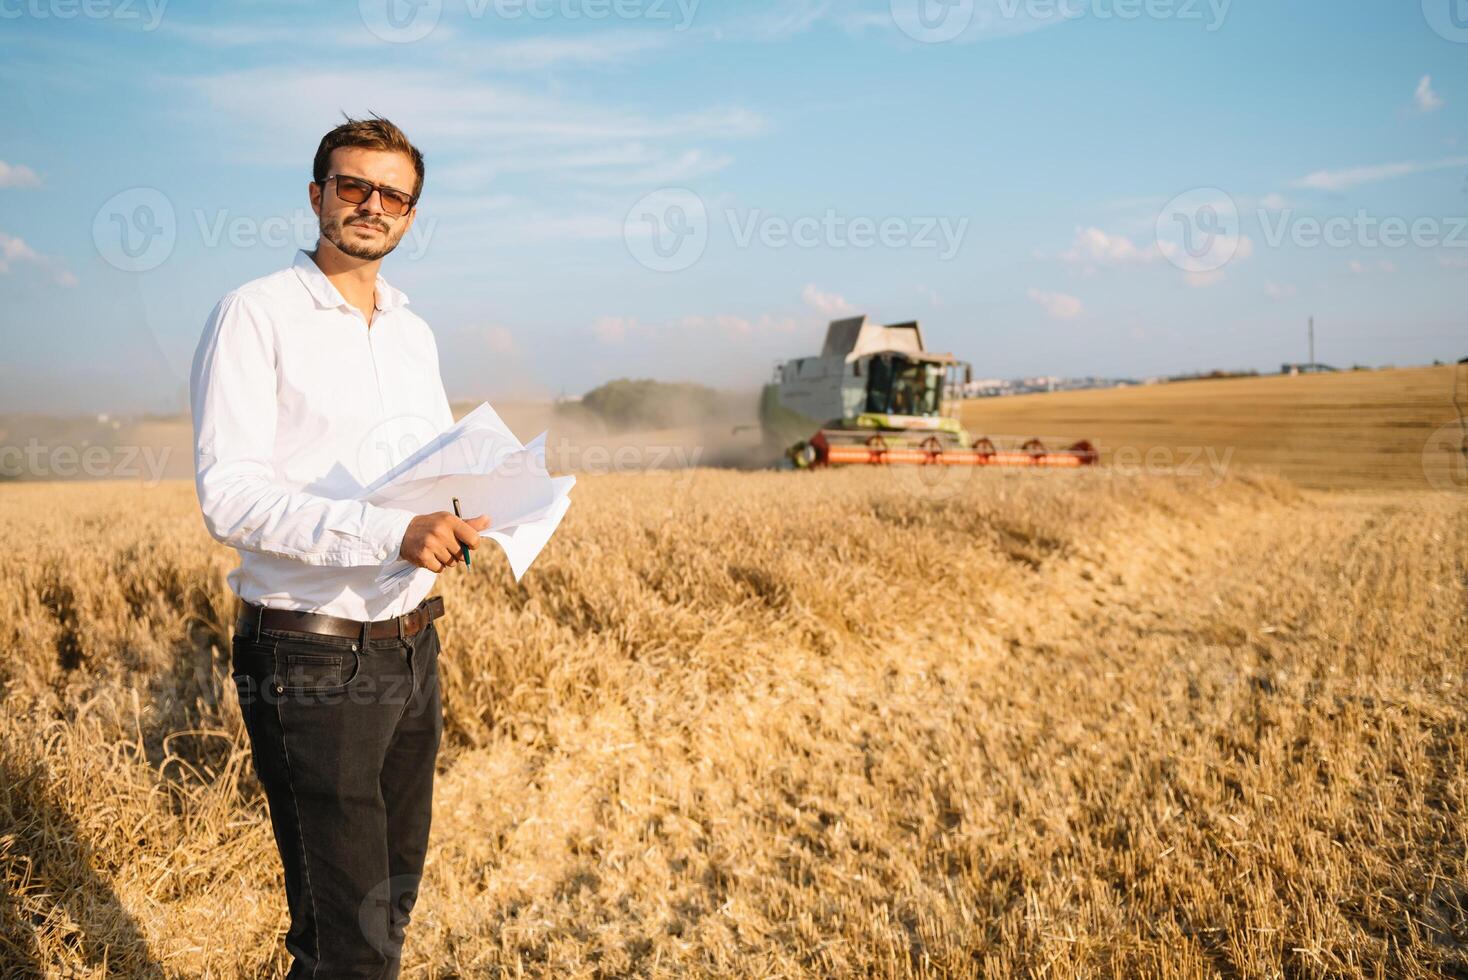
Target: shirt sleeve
{"type": "Point", "coordinates": [232, 388]}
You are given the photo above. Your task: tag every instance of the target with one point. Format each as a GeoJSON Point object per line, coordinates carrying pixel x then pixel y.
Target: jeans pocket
{"type": "Point", "coordinates": [306, 667]}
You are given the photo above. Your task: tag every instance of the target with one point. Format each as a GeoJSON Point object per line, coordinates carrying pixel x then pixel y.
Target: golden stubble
{"type": "Point", "coordinates": [796, 724]}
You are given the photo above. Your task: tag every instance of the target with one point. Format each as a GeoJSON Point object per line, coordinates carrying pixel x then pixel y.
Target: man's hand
{"type": "Point", "coordinates": [432, 541]}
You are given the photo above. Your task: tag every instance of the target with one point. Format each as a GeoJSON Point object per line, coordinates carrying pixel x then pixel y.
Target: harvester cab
{"type": "Point", "coordinates": [875, 394]}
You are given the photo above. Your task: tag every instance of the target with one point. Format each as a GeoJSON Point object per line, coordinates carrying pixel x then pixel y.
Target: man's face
{"type": "Point", "coordinates": [364, 231]}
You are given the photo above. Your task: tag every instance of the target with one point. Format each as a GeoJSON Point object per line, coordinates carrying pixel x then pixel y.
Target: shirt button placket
{"type": "Point", "coordinates": [372, 333]}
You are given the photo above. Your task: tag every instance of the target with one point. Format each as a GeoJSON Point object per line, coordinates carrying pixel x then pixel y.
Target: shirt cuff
{"type": "Point", "coordinates": [384, 529]}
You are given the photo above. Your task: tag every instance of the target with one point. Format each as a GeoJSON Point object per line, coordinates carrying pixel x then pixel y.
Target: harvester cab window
{"type": "Point", "coordinates": [903, 396]}
{"type": "Point", "coordinates": [932, 389]}
{"type": "Point", "coordinates": [897, 386]}
{"type": "Point", "coordinates": [879, 384]}
{"type": "Point", "coordinates": [916, 389]}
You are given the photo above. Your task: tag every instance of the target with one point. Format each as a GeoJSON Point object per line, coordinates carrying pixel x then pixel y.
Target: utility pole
{"type": "Point", "coordinates": [1312, 341]}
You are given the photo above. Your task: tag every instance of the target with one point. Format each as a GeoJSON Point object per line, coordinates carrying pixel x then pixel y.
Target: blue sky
{"type": "Point", "coordinates": [1112, 187]}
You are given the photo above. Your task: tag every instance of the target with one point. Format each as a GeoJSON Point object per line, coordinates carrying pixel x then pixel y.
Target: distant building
{"type": "Point", "coordinates": [999, 388]}
{"type": "Point", "coordinates": [1294, 369]}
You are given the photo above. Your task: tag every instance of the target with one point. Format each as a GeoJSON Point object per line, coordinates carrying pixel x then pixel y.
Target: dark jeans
{"type": "Point", "coordinates": [343, 741]}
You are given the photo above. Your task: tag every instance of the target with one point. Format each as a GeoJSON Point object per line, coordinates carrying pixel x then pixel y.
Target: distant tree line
{"type": "Point", "coordinates": [1215, 375]}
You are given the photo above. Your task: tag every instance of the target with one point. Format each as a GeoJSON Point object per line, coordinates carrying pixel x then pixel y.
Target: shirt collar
{"type": "Point", "coordinates": [326, 295]}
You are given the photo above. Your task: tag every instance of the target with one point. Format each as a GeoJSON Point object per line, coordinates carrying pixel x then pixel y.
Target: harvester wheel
{"type": "Point", "coordinates": [803, 455]}
{"type": "Point", "coordinates": [878, 446]}
{"type": "Point", "coordinates": [1086, 451]}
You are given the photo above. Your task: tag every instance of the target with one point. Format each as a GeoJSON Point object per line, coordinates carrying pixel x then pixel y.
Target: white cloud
{"type": "Point", "coordinates": [1058, 305]}
{"type": "Point", "coordinates": [242, 35]}
{"type": "Point", "coordinates": [1453, 261]}
{"type": "Point", "coordinates": [531, 54]}
{"type": "Point", "coordinates": [826, 304]}
{"type": "Point", "coordinates": [18, 175]}
{"type": "Point", "coordinates": [540, 53]}
{"type": "Point", "coordinates": [478, 110]}
{"type": "Point", "coordinates": [1096, 247]}
{"type": "Point", "coordinates": [14, 251]}
{"type": "Point", "coordinates": [1425, 99]}
{"type": "Point", "coordinates": [1339, 180]}
{"type": "Point", "coordinates": [613, 329]}
{"type": "Point", "coordinates": [1208, 268]}
{"type": "Point", "coordinates": [486, 129]}
{"type": "Point", "coordinates": [1273, 202]}
{"type": "Point", "coordinates": [1275, 290]}
{"type": "Point", "coordinates": [974, 21]}
{"type": "Point", "coordinates": [1093, 249]}
{"type": "Point", "coordinates": [673, 170]}
{"type": "Point", "coordinates": [786, 19]}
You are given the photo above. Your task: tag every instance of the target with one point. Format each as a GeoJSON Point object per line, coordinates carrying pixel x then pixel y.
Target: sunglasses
{"type": "Point", "coordinates": [355, 190]}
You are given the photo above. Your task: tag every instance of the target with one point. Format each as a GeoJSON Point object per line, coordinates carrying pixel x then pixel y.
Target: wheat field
{"type": "Point", "coordinates": [1389, 429]}
{"type": "Point", "coordinates": [784, 724]}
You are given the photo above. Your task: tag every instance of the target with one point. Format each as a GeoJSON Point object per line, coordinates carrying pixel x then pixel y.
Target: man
{"type": "Point", "coordinates": [307, 385]}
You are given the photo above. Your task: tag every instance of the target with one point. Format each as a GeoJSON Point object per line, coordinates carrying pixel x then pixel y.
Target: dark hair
{"type": "Point", "coordinates": [371, 134]}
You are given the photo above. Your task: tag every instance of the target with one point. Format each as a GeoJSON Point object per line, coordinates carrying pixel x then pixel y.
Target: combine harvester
{"type": "Point", "coordinates": [876, 396]}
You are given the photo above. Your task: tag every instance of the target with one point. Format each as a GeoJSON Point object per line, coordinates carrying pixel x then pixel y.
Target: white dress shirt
{"type": "Point", "coordinates": [298, 404]}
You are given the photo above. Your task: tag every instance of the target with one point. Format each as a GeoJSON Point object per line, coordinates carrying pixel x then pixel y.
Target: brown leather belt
{"type": "Point", "coordinates": [254, 618]}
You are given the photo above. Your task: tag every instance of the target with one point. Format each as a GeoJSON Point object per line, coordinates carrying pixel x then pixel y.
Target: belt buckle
{"type": "Point", "coordinates": [413, 621]}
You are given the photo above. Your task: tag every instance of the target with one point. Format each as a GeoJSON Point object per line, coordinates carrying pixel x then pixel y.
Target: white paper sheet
{"type": "Point", "coordinates": [480, 461]}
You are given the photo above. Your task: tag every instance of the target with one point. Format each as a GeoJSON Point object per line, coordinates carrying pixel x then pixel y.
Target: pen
{"type": "Point", "coordinates": [463, 548]}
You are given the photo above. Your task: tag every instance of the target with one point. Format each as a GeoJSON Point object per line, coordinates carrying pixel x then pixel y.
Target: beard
{"type": "Point", "coordinates": [334, 230]}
